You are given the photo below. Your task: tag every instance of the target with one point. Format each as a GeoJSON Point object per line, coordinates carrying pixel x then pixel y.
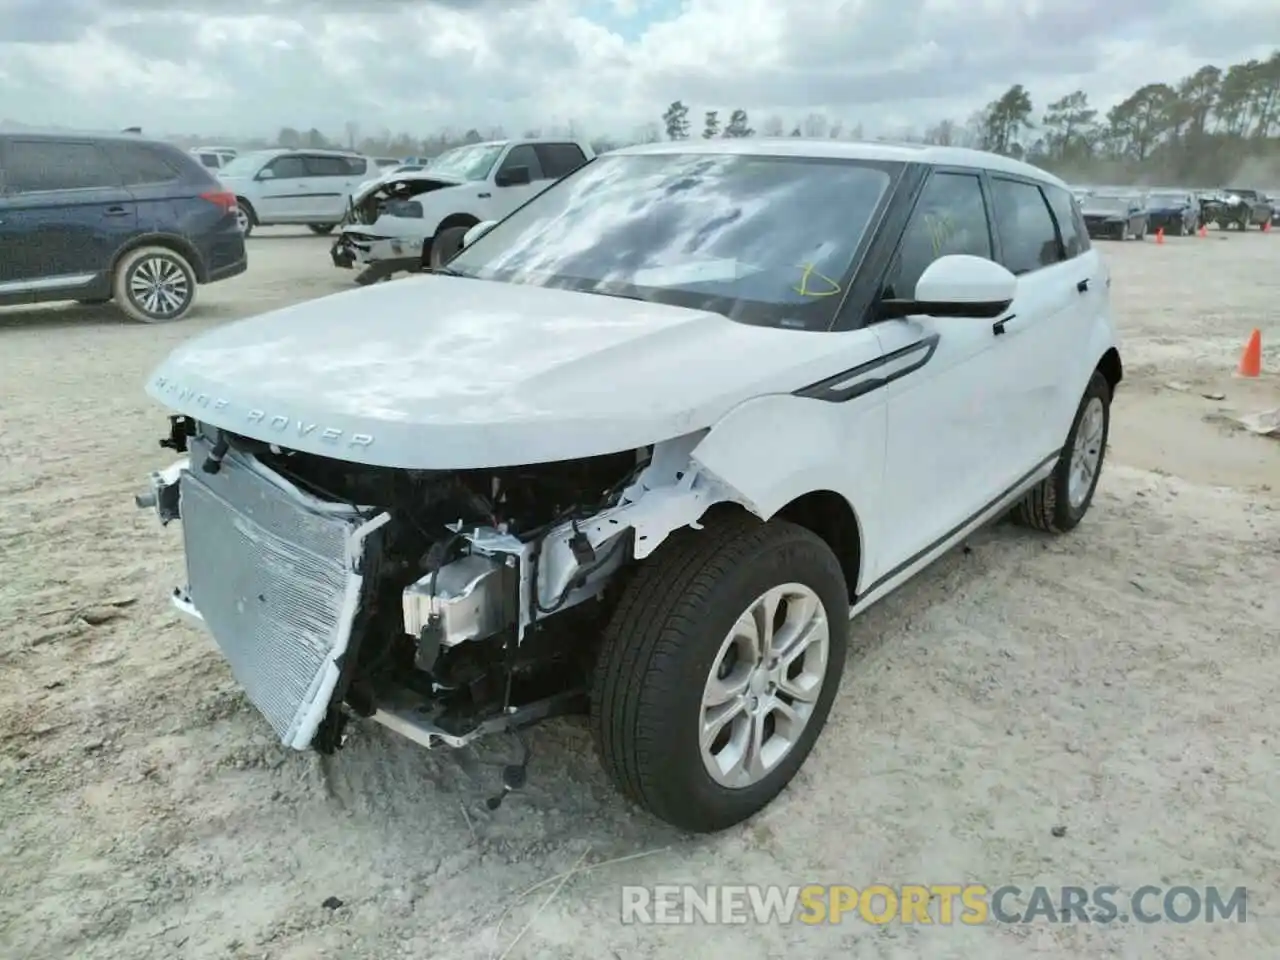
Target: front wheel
{"type": "Point", "coordinates": [446, 245]}
{"type": "Point", "coordinates": [1059, 502]}
{"type": "Point", "coordinates": [154, 285]}
{"type": "Point", "coordinates": [321, 229]}
{"type": "Point", "coordinates": [718, 670]}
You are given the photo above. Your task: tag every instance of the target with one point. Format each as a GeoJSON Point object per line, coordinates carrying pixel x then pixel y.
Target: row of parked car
{"type": "Point", "coordinates": [100, 217]}
{"type": "Point", "coordinates": [1122, 213]}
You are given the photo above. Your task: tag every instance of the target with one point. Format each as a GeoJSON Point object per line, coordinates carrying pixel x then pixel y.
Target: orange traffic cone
{"type": "Point", "coordinates": [1204, 230]}
{"type": "Point", "coordinates": [1266, 226]}
{"type": "Point", "coordinates": [1251, 359]}
{"type": "Point", "coordinates": [1159, 235]}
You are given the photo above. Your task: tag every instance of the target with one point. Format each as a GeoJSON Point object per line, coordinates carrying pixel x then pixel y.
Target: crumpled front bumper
{"type": "Point", "coordinates": [352, 249]}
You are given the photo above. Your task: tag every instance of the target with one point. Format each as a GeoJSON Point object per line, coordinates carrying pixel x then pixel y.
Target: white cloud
{"type": "Point", "coordinates": [251, 66]}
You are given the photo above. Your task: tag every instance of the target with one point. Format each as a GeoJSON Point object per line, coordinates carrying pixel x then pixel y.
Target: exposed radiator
{"type": "Point", "coordinates": [272, 572]}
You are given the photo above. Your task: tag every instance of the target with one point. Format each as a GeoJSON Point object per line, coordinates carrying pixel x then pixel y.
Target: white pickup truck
{"type": "Point", "coordinates": [418, 219]}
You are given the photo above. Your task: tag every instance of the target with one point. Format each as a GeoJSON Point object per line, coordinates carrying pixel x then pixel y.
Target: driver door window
{"type": "Point", "coordinates": [950, 217]}
{"type": "Point", "coordinates": [287, 168]}
{"type": "Point", "coordinates": [522, 156]}
{"type": "Point", "coordinates": [507, 199]}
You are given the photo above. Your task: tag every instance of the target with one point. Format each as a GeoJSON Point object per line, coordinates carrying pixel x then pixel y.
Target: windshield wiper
{"type": "Point", "coordinates": [449, 272]}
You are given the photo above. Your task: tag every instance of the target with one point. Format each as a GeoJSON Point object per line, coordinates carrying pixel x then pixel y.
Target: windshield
{"type": "Point", "coordinates": [467, 163]}
{"type": "Point", "coordinates": [247, 165]}
{"type": "Point", "coordinates": [1159, 201]}
{"type": "Point", "coordinates": [762, 240]}
{"type": "Point", "coordinates": [1108, 204]}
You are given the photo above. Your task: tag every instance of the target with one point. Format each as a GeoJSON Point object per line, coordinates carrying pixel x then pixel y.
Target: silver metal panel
{"type": "Point", "coordinates": [270, 576]}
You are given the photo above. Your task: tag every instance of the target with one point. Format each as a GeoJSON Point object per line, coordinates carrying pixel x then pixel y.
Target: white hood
{"type": "Point", "coordinates": [424, 176]}
{"type": "Point", "coordinates": [452, 373]}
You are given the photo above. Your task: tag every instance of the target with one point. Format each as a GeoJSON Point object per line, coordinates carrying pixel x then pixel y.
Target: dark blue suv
{"type": "Point", "coordinates": [98, 217]}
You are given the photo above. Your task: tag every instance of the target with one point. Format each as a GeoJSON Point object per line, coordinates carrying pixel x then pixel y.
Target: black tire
{"type": "Point", "coordinates": [659, 649]}
{"type": "Point", "coordinates": [446, 245]}
{"type": "Point", "coordinates": [1047, 507]}
{"type": "Point", "coordinates": [321, 229]}
{"type": "Point", "coordinates": [246, 215]}
{"type": "Point", "coordinates": [154, 285]}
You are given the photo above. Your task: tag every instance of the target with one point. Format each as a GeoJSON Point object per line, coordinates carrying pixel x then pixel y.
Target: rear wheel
{"type": "Point", "coordinates": [245, 216]}
{"type": "Point", "coordinates": [718, 670]}
{"type": "Point", "coordinates": [154, 285]}
{"type": "Point", "coordinates": [320, 229]}
{"type": "Point", "coordinates": [1060, 501]}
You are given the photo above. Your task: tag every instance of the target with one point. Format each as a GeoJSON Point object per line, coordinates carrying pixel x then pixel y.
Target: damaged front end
{"type": "Point", "coordinates": [385, 224]}
{"type": "Point", "coordinates": [444, 605]}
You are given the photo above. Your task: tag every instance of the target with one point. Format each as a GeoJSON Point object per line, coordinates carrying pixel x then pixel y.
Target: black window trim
{"type": "Point", "coordinates": [7, 142]}
{"type": "Point", "coordinates": [864, 313]}
{"type": "Point", "coordinates": [1053, 218]}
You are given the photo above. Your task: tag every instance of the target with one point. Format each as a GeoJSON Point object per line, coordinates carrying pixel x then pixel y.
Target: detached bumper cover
{"type": "Point", "coordinates": [275, 575]}
{"type": "Point", "coordinates": [352, 249]}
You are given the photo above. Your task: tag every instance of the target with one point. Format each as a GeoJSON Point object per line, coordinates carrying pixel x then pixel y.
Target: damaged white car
{"type": "Point", "coordinates": [641, 452]}
{"type": "Point", "coordinates": [417, 219]}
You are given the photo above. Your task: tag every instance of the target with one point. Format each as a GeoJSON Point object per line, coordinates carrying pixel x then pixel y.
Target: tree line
{"type": "Point", "coordinates": [1206, 128]}
{"type": "Point", "coordinates": [1218, 124]}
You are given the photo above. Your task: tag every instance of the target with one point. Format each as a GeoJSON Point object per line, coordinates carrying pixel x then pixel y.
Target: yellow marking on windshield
{"type": "Point", "coordinates": [809, 270]}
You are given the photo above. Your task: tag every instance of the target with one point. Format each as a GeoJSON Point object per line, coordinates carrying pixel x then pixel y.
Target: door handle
{"type": "Point", "coordinates": [484, 196]}
{"type": "Point", "coordinates": [997, 328]}
{"type": "Point", "coordinates": [115, 212]}
{"type": "Point", "coordinates": [1083, 285]}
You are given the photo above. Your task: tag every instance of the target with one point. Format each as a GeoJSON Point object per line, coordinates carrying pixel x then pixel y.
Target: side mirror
{"type": "Point", "coordinates": [514, 177]}
{"type": "Point", "coordinates": [266, 174]}
{"type": "Point", "coordinates": [474, 234]}
{"type": "Point", "coordinates": [958, 285]}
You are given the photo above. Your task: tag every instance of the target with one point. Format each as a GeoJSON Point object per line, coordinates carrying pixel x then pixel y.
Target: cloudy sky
{"type": "Point", "coordinates": [248, 67]}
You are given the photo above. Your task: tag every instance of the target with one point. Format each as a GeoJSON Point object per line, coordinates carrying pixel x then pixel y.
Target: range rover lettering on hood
{"type": "Point", "coordinates": [264, 421]}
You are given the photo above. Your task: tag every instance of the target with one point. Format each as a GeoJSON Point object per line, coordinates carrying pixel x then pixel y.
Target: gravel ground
{"type": "Point", "coordinates": [1122, 683]}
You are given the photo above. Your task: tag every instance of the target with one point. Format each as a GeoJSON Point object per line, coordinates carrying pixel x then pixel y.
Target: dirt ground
{"type": "Point", "coordinates": [1122, 683]}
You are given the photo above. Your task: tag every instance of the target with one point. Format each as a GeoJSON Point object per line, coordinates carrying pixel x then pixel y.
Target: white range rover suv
{"type": "Point", "coordinates": [642, 450]}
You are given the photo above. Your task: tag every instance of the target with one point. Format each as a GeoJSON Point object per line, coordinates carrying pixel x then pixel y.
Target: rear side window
{"type": "Point", "coordinates": [210, 160]}
{"type": "Point", "coordinates": [33, 166]}
{"type": "Point", "coordinates": [140, 163]}
{"type": "Point", "coordinates": [559, 159]}
{"type": "Point", "coordinates": [950, 217]}
{"type": "Point", "coordinates": [1075, 239]}
{"type": "Point", "coordinates": [357, 165]}
{"type": "Point", "coordinates": [322, 166]}
{"type": "Point", "coordinates": [1028, 234]}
